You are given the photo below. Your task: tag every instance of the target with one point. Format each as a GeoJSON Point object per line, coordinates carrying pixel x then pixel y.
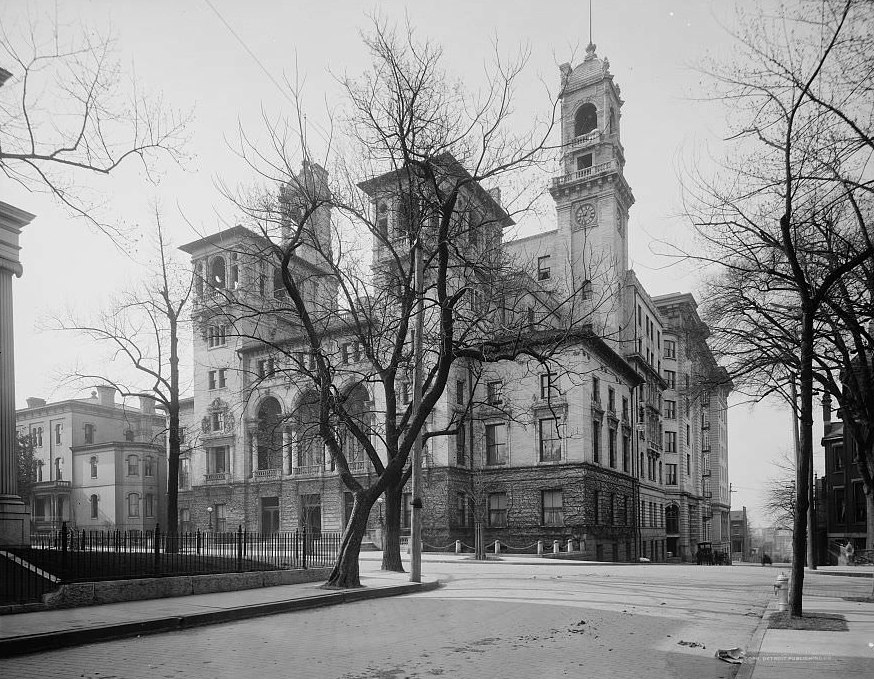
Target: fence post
{"type": "Point", "coordinates": [239, 548]}
{"type": "Point", "coordinates": [458, 546]}
{"type": "Point", "coordinates": [157, 546]}
{"type": "Point", "coordinates": [197, 541]}
{"type": "Point", "coordinates": [497, 547]}
{"type": "Point", "coordinates": [555, 544]}
{"type": "Point", "coordinates": [305, 547]}
{"type": "Point", "coordinates": [540, 548]}
{"type": "Point", "coordinates": [570, 545]}
{"type": "Point", "coordinates": [64, 543]}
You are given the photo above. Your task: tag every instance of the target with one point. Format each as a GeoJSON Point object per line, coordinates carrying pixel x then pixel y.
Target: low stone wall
{"type": "Point", "coordinates": [114, 591]}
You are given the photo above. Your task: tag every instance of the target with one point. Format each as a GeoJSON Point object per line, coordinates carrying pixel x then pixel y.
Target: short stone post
{"type": "Point", "coordinates": [570, 545]}
{"type": "Point", "coordinates": [555, 546]}
{"type": "Point", "coordinates": [540, 548]}
{"type": "Point", "coordinates": [497, 547]}
{"type": "Point", "coordinates": [458, 546]}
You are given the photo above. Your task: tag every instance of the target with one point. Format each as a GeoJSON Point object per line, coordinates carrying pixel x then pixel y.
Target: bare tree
{"type": "Point", "coordinates": [802, 140]}
{"type": "Point", "coordinates": [780, 496]}
{"type": "Point", "coordinates": [342, 328]}
{"type": "Point", "coordinates": [66, 113]}
{"type": "Point", "coordinates": [143, 327]}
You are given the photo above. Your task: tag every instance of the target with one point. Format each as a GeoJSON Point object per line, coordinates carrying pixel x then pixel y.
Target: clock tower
{"type": "Point", "coordinates": [591, 195]}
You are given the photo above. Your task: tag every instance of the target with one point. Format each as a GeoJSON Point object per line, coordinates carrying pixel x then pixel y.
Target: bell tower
{"type": "Point", "coordinates": [591, 195]}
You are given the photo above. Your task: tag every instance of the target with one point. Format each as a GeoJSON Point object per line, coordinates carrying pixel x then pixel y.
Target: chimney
{"type": "Point", "coordinates": [106, 395]}
{"type": "Point", "coordinates": [147, 405]}
{"type": "Point", "coordinates": [34, 402]}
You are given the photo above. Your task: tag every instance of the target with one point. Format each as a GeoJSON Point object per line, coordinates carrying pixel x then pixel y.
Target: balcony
{"type": "Point", "coordinates": [359, 467]}
{"type": "Point", "coordinates": [266, 474]}
{"type": "Point", "coordinates": [584, 140]}
{"type": "Point", "coordinates": [586, 173]}
{"type": "Point", "coordinates": [216, 477]}
{"type": "Point", "coordinates": [48, 486]}
{"type": "Point", "coordinates": [307, 470]}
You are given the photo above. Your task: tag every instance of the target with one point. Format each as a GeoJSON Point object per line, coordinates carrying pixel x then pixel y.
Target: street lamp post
{"type": "Point", "coordinates": [209, 518]}
{"type": "Point", "coordinates": [416, 528]}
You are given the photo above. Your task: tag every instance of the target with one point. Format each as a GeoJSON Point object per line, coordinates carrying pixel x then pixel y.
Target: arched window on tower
{"type": "Point", "coordinates": [270, 434]}
{"type": "Point", "coordinates": [585, 120]}
{"type": "Point", "coordinates": [612, 122]}
{"type": "Point", "coordinates": [218, 275]}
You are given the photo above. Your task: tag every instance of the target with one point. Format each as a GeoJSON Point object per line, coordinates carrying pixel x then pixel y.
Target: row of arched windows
{"type": "Point", "coordinates": [308, 447]}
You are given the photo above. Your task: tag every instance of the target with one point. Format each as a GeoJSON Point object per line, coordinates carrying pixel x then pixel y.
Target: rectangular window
{"type": "Point", "coordinates": [59, 428]}
{"type": "Point", "coordinates": [688, 464]}
{"type": "Point", "coordinates": [860, 513]}
{"type": "Point", "coordinates": [89, 434]}
{"type": "Point", "coordinates": [611, 447]}
{"type": "Point", "coordinates": [496, 443]}
{"type": "Point", "coordinates": [596, 441]}
{"type": "Point", "coordinates": [670, 442]}
{"type": "Point", "coordinates": [550, 441]}
{"type": "Point", "coordinates": [211, 379]}
{"type": "Point", "coordinates": [222, 378]}
{"type": "Point", "coordinates": [670, 410]}
{"type": "Point", "coordinates": [626, 453]}
{"type": "Point", "coordinates": [216, 460]}
{"type": "Point", "coordinates": [611, 399]}
{"type": "Point", "coordinates": [216, 336]}
{"type": "Point", "coordinates": [671, 378]}
{"type": "Point", "coordinates": [184, 473]}
{"type": "Point", "coordinates": [549, 386]}
{"type": "Point", "coordinates": [497, 510]}
{"type": "Point", "coordinates": [840, 506]}
{"type": "Point", "coordinates": [543, 268]}
{"type": "Point", "coordinates": [459, 392]}
{"type": "Point", "coordinates": [493, 393]}
{"type": "Point", "coordinates": [149, 505]}
{"type": "Point", "coordinates": [670, 349]}
{"type": "Point", "coordinates": [407, 511]}
{"type": "Point", "coordinates": [460, 444]}
{"type": "Point", "coordinates": [611, 509]}
{"type": "Point", "coordinates": [671, 473]}
{"type": "Point", "coordinates": [596, 390]}
{"type": "Point", "coordinates": [553, 508]}
{"type": "Point", "coordinates": [218, 421]}
{"type": "Point", "coordinates": [460, 510]}
{"type": "Point", "coordinates": [625, 409]}
{"type": "Point", "coordinates": [149, 466]}
{"type": "Point", "coordinates": [221, 518]}
{"type": "Point", "coordinates": [133, 505]}
{"type": "Point", "coordinates": [133, 465]}
{"type": "Point", "coordinates": [95, 506]}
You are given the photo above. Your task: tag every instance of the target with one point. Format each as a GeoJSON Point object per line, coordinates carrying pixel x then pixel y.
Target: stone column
{"type": "Point", "coordinates": [14, 516]}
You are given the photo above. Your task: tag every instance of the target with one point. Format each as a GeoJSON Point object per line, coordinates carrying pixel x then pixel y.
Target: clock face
{"type": "Point", "coordinates": [585, 214]}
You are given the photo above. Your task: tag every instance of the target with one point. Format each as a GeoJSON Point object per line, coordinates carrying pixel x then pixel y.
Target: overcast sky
{"type": "Point", "coordinates": [225, 61]}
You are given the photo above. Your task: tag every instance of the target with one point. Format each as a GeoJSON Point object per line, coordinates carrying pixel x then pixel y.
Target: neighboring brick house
{"type": "Point", "coordinates": [100, 464]}
{"type": "Point", "coordinates": [579, 454]}
{"type": "Point", "coordinates": [843, 490]}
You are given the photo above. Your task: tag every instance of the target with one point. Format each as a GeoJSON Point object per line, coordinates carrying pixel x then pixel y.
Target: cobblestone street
{"type": "Point", "coordinates": [494, 620]}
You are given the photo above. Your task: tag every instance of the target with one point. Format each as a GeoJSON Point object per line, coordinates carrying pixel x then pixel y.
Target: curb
{"type": "Point", "coordinates": [34, 643]}
{"type": "Point", "coordinates": [752, 653]}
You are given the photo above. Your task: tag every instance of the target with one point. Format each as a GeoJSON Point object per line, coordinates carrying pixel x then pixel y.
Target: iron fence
{"type": "Point", "coordinates": [66, 556]}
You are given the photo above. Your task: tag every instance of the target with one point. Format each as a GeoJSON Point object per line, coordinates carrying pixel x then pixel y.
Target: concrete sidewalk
{"type": "Point", "coordinates": [22, 633]}
{"type": "Point", "coordinates": [802, 654]}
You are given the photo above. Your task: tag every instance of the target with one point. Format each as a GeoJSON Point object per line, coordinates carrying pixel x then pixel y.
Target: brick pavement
{"type": "Point", "coordinates": [490, 620]}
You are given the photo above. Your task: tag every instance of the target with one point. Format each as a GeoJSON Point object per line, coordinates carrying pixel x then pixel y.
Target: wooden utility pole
{"type": "Point", "coordinates": [416, 532]}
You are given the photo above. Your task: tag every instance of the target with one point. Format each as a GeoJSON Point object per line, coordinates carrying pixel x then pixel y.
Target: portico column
{"type": "Point", "coordinates": [14, 517]}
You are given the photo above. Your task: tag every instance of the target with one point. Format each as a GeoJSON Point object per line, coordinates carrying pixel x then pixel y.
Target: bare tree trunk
{"type": "Point", "coordinates": [391, 547]}
{"type": "Point", "coordinates": [802, 471]}
{"type": "Point", "coordinates": [345, 574]}
{"type": "Point", "coordinates": [479, 546]}
{"type": "Point", "coordinates": [869, 504]}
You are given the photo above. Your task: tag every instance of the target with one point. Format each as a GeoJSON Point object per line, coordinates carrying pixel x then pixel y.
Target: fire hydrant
{"type": "Point", "coordinates": [781, 591]}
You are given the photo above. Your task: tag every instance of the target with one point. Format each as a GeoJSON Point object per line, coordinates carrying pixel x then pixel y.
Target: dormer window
{"type": "Point", "coordinates": [585, 120]}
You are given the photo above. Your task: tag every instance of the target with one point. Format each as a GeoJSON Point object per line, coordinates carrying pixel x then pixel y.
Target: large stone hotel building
{"type": "Point", "coordinates": [623, 451]}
